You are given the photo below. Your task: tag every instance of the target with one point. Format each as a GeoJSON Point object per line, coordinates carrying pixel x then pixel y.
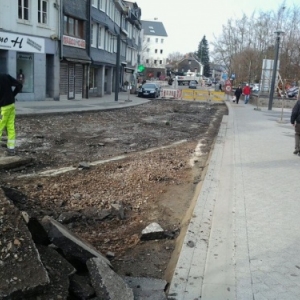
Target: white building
{"type": "Point", "coordinates": [153, 52]}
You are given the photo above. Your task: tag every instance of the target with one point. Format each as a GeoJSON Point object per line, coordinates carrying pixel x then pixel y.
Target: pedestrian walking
{"type": "Point", "coordinates": [247, 92]}
{"type": "Point", "coordinates": [295, 121]}
{"type": "Point", "coordinates": [9, 88]}
{"type": "Point", "coordinates": [220, 87]}
{"type": "Point", "coordinates": [238, 92]}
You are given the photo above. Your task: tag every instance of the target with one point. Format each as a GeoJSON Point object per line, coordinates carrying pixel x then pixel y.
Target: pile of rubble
{"type": "Point", "coordinates": [42, 259]}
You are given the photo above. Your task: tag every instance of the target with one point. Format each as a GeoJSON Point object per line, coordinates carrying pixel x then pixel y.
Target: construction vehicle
{"type": "Point", "coordinates": [189, 76]}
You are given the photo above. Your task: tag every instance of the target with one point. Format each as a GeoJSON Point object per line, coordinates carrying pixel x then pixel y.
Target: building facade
{"type": "Point", "coordinates": [29, 48]}
{"type": "Point", "coordinates": [109, 21]}
{"type": "Point", "coordinates": [190, 64]}
{"type": "Point", "coordinates": [153, 54]}
{"type": "Point", "coordinates": [68, 49]}
{"type": "Point", "coordinates": [74, 58]}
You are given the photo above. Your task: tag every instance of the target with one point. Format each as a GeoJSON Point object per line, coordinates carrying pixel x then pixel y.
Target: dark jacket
{"type": "Point", "coordinates": [7, 94]}
{"type": "Point", "coordinates": [238, 92]}
{"type": "Point", "coordinates": [296, 113]}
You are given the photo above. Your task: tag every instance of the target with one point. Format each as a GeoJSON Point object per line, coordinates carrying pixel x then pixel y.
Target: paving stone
{"type": "Point", "coordinates": [147, 288]}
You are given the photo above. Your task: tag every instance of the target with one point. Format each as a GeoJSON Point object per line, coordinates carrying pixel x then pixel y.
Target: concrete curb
{"type": "Point", "coordinates": [188, 276]}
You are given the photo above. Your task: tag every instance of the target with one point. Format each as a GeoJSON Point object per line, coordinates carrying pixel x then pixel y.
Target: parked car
{"type": "Point", "coordinates": [193, 84]}
{"type": "Point", "coordinates": [292, 92]}
{"type": "Point", "coordinates": [150, 90]}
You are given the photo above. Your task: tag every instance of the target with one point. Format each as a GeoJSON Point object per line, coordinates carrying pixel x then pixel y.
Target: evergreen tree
{"type": "Point", "coordinates": [203, 56]}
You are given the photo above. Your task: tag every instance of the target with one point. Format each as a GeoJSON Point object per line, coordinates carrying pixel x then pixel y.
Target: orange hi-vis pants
{"type": "Point", "coordinates": [8, 114]}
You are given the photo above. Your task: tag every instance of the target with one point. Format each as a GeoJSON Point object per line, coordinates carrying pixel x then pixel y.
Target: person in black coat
{"type": "Point", "coordinates": [295, 121]}
{"type": "Point", "coordinates": [9, 88]}
{"type": "Point", "coordinates": [238, 92]}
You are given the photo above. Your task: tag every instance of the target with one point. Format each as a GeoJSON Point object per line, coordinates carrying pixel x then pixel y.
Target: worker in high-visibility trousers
{"type": "Point", "coordinates": [9, 88]}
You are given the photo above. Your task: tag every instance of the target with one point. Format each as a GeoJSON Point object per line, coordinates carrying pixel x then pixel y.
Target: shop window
{"type": "Point", "coordinates": [42, 11]}
{"type": "Point", "coordinates": [23, 9]}
{"type": "Point", "coordinates": [25, 71]}
{"type": "Point", "coordinates": [73, 27]}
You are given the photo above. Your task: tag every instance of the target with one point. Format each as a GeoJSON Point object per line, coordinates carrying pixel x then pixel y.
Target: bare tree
{"type": "Point", "coordinates": [245, 42]}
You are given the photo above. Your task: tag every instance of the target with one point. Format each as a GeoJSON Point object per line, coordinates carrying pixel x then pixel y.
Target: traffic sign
{"type": "Point", "coordinates": [224, 76]}
{"type": "Point", "coordinates": [228, 88]}
{"type": "Point", "coordinates": [227, 82]}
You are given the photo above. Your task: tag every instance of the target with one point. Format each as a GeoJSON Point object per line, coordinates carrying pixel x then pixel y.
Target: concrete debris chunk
{"type": "Point", "coordinates": [80, 287]}
{"type": "Point", "coordinates": [153, 232]}
{"type": "Point", "coordinates": [72, 246]}
{"type": "Point", "coordinates": [107, 284]}
{"type": "Point", "coordinates": [68, 217]}
{"type": "Point", "coordinates": [59, 271]}
{"type": "Point", "coordinates": [21, 270]}
{"type": "Point", "coordinates": [10, 162]}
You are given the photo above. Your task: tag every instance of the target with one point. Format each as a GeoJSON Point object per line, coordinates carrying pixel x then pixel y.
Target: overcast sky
{"type": "Point", "coordinates": [187, 21]}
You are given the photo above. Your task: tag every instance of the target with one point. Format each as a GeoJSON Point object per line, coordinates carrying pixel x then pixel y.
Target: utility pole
{"type": "Point", "coordinates": [117, 78]}
{"type": "Point", "coordinates": [274, 69]}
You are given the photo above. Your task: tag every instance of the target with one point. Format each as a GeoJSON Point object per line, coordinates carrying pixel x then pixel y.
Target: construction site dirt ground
{"type": "Point", "coordinates": [150, 159]}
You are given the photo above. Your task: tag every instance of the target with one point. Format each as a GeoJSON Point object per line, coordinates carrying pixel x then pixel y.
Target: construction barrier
{"type": "Point", "coordinates": [170, 94]}
{"type": "Point", "coordinates": [189, 94]}
{"type": "Point", "coordinates": [202, 95]}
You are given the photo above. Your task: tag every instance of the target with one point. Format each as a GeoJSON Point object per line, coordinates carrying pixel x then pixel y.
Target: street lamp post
{"type": "Point", "coordinates": [117, 79]}
{"type": "Point", "coordinates": [278, 33]}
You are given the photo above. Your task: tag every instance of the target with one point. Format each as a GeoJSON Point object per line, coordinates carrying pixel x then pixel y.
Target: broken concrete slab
{"type": "Point", "coordinates": [73, 247]}
{"type": "Point", "coordinates": [153, 232]}
{"type": "Point", "coordinates": [80, 287]}
{"type": "Point", "coordinates": [59, 271]}
{"type": "Point", "coordinates": [147, 288]}
{"type": "Point", "coordinates": [107, 284]}
{"type": "Point", "coordinates": [21, 269]}
{"type": "Point", "coordinates": [11, 162]}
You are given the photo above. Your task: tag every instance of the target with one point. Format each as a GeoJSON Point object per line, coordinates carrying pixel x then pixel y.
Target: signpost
{"type": "Point", "coordinates": [228, 88]}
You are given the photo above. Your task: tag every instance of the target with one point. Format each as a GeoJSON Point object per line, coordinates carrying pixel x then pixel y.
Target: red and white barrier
{"type": "Point", "coordinates": [170, 94]}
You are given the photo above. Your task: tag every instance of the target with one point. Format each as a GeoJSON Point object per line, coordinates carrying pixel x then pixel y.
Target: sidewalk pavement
{"type": "Point", "coordinates": [243, 240]}
{"type": "Point", "coordinates": [104, 103]}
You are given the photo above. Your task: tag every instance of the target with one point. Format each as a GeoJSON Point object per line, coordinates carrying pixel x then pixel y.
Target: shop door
{"type": "Point", "coordinates": [71, 83]}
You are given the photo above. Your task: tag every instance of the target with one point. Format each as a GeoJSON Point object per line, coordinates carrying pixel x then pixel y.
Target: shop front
{"type": "Point", "coordinates": [74, 69]}
{"type": "Point", "coordinates": [32, 60]}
